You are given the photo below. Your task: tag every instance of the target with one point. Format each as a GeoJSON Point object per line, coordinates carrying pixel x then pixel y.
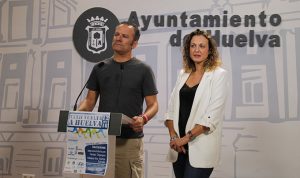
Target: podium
{"type": "Point", "coordinates": [116, 120]}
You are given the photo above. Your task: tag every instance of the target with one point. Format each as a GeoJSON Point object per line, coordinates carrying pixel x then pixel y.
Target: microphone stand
{"type": "Point", "coordinates": [75, 105]}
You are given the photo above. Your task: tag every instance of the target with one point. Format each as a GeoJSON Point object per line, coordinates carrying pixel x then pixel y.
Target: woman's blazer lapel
{"type": "Point", "coordinates": [202, 94]}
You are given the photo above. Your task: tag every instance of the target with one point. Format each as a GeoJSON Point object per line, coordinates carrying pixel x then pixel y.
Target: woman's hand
{"type": "Point", "coordinates": [177, 144]}
{"type": "Point", "coordinates": [181, 141]}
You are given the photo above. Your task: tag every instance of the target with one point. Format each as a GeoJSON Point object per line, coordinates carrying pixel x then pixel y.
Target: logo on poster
{"type": "Point", "coordinates": [96, 41]}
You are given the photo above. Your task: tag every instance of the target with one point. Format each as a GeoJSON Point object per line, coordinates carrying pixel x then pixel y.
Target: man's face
{"type": "Point", "coordinates": [123, 41]}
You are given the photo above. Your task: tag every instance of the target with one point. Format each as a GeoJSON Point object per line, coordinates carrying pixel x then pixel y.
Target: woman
{"type": "Point", "coordinates": [196, 109]}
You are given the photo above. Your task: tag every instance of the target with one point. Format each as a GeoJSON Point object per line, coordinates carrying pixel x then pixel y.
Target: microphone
{"type": "Point", "coordinates": [75, 105]}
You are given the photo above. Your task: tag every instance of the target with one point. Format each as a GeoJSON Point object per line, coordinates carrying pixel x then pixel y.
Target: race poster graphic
{"type": "Point", "coordinates": [87, 143]}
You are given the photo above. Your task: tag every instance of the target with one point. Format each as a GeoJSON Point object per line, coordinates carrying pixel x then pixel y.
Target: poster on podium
{"type": "Point", "coordinates": [87, 143]}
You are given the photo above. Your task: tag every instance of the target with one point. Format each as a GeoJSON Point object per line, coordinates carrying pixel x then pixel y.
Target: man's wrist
{"type": "Point", "coordinates": [145, 118]}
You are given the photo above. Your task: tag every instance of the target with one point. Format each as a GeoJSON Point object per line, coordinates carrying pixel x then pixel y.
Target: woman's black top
{"type": "Point", "coordinates": [187, 95]}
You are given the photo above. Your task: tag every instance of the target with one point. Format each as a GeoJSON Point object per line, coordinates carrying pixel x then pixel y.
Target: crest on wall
{"type": "Point", "coordinates": [93, 34]}
{"type": "Point", "coordinates": [96, 40]}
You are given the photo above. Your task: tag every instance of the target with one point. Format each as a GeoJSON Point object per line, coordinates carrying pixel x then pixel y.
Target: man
{"type": "Point", "coordinates": [123, 82]}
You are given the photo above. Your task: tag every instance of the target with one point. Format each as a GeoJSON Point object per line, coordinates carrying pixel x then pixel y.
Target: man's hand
{"type": "Point", "coordinates": [137, 124]}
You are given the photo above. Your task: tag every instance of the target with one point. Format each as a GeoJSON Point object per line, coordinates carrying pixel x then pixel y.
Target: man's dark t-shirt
{"type": "Point", "coordinates": [122, 88]}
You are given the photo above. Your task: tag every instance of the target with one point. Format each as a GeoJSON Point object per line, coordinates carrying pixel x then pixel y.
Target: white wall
{"type": "Point", "coordinates": [42, 73]}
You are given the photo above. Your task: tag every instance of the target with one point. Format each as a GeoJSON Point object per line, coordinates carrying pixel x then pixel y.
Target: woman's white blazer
{"type": "Point", "coordinates": [207, 110]}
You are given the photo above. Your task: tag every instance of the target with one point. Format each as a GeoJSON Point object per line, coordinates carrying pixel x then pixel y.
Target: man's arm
{"type": "Point", "coordinates": [152, 106]}
{"type": "Point", "coordinates": [151, 110]}
{"type": "Point", "coordinates": [89, 102]}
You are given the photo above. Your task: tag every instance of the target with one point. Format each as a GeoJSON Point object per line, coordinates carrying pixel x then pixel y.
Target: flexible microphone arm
{"type": "Point", "coordinates": [75, 105]}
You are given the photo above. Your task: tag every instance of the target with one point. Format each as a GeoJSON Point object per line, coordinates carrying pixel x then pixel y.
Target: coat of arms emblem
{"type": "Point", "coordinates": [96, 41]}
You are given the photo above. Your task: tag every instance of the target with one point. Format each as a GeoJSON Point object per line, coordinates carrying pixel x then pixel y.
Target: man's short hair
{"type": "Point", "coordinates": [137, 33]}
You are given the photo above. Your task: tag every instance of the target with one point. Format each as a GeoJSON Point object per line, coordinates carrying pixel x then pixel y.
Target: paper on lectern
{"type": "Point", "coordinates": [126, 119]}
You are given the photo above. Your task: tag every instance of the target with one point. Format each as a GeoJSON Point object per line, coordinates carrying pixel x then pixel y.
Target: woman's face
{"type": "Point", "coordinates": [199, 49]}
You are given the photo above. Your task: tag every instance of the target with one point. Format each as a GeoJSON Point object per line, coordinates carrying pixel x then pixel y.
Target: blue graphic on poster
{"type": "Point", "coordinates": [96, 159]}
